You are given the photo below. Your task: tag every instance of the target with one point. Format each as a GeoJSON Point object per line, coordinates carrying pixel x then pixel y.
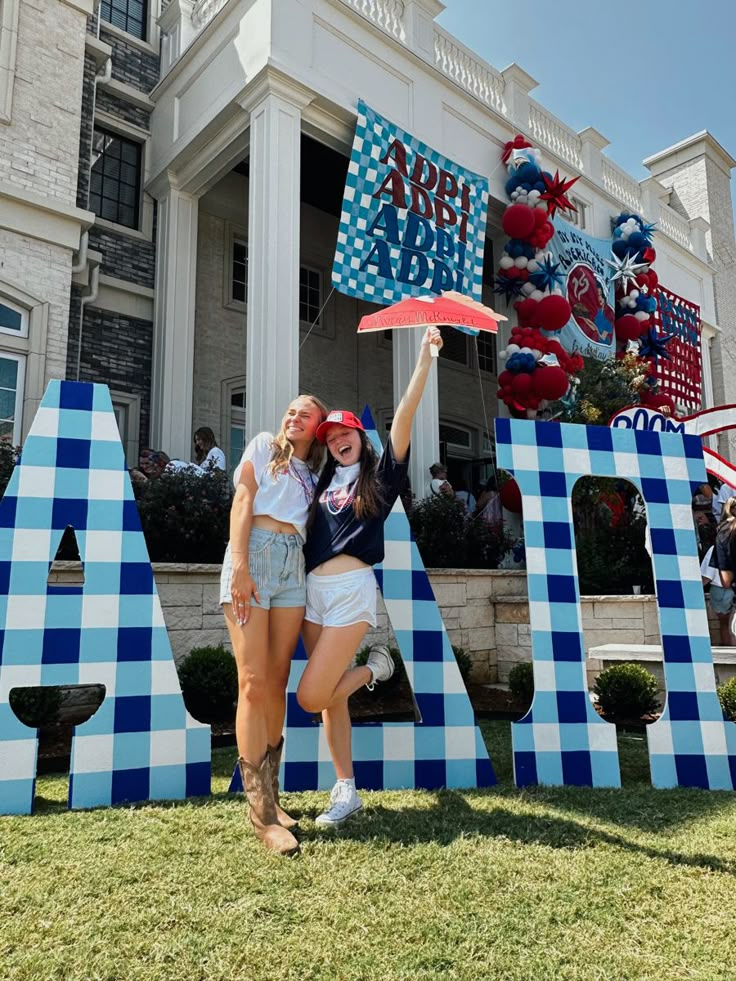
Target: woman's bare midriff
{"type": "Point", "coordinates": [340, 563]}
{"type": "Point", "coordinates": [266, 523]}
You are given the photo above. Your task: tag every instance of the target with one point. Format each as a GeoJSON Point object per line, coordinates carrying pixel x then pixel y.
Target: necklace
{"type": "Point", "coordinates": [307, 485]}
{"type": "Point", "coordinates": [340, 499]}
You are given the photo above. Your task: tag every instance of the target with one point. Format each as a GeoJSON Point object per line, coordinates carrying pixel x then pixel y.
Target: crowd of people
{"type": "Point", "coordinates": [486, 505]}
{"type": "Point", "coordinates": [208, 458]}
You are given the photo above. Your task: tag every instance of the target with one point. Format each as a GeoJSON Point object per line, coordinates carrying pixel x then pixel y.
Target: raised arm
{"type": "Point", "coordinates": [406, 410]}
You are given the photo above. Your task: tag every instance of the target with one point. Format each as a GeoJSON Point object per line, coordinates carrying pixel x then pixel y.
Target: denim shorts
{"type": "Point", "coordinates": [342, 600]}
{"type": "Point", "coordinates": [721, 598]}
{"type": "Point", "coordinates": [276, 563]}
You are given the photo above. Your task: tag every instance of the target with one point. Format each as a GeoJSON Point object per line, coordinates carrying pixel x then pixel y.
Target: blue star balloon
{"type": "Point", "coordinates": [654, 345]}
{"type": "Point", "coordinates": [547, 276]}
{"type": "Point", "coordinates": [508, 288]}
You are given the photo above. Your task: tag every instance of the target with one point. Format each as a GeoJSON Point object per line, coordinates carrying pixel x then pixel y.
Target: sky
{"type": "Point", "coordinates": [645, 73]}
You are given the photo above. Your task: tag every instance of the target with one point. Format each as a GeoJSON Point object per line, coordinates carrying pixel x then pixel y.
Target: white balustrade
{"type": "Point", "coordinates": [468, 71]}
{"type": "Point", "coordinates": [386, 14]}
{"type": "Point", "coordinates": [621, 186]}
{"type": "Point", "coordinates": [549, 132]}
{"type": "Point", "coordinates": [675, 226]}
{"type": "Point", "coordinates": [205, 11]}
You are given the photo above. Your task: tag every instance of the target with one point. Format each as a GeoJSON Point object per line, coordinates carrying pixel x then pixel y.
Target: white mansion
{"type": "Point", "coordinates": [170, 189]}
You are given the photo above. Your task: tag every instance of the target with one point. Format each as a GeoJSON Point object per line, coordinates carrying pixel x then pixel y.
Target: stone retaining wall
{"type": "Point", "coordinates": [485, 612]}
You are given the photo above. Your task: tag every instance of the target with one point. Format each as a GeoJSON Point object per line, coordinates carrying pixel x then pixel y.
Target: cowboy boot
{"type": "Point", "coordinates": [259, 792]}
{"type": "Point", "coordinates": [274, 756]}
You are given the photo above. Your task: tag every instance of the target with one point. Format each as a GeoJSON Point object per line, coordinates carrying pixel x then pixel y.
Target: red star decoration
{"type": "Point", "coordinates": [555, 192]}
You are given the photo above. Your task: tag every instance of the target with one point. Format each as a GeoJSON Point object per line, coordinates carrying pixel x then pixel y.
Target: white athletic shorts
{"type": "Point", "coordinates": [339, 601]}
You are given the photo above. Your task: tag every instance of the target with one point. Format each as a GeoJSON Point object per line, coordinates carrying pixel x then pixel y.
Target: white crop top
{"type": "Point", "coordinates": [283, 496]}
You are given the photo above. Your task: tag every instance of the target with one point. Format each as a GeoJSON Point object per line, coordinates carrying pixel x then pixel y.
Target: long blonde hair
{"type": "Point", "coordinates": [283, 449]}
{"type": "Point", "coordinates": [728, 515]}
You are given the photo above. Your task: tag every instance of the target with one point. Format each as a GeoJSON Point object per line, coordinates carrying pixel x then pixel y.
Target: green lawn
{"type": "Point", "coordinates": [505, 884]}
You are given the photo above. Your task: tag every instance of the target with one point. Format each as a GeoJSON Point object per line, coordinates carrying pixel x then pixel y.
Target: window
{"type": "Point", "coordinates": [129, 15]}
{"type": "Point", "coordinates": [237, 427]}
{"type": "Point", "coordinates": [115, 182]}
{"type": "Point", "coordinates": [12, 370]}
{"type": "Point", "coordinates": [455, 346]}
{"type": "Point", "coordinates": [240, 271]}
{"type": "Point", "coordinates": [310, 295]}
{"type": "Point", "coordinates": [487, 352]}
{"type": "Point", "coordinates": [127, 409]}
{"type": "Point", "coordinates": [13, 320]}
{"type": "Point", "coordinates": [455, 436]}
{"type": "Point", "coordinates": [577, 217]}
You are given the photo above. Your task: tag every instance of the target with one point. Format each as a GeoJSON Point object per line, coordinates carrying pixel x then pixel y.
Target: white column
{"type": "Point", "coordinates": [272, 353]}
{"type": "Point", "coordinates": [425, 437]}
{"type": "Point", "coordinates": [173, 337]}
{"type": "Point", "coordinates": [707, 382]}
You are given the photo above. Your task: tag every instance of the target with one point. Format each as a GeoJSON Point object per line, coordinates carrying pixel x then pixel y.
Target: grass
{"type": "Point", "coordinates": [545, 883]}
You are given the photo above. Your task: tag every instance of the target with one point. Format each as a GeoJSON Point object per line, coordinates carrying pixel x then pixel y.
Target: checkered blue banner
{"type": "Point", "coordinates": [562, 740]}
{"type": "Point", "coordinates": [412, 221]}
{"type": "Point", "coordinates": [141, 744]}
{"type": "Point", "coordinates": [446, 748]}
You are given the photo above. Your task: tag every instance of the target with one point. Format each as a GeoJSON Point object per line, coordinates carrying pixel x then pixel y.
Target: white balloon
{"type": "Point", "coordinates": [542, 205]}
{"type": "Point", "coordinates": [521, 262]}
{"type": "Point", "coordinates": [641, 315]}
{"type": "Point", "coordinates": [537, 354]}
{"type": "Point", "coordinates": [502, 355]}
{"type": "Point", "coordinates": [512, 349]}
{"type": "Point", "coordinates": [557, 291]}
{"type": "Point", "coordinates": [527, 289]}
{"type": "Point", "coordinates": [525, 350]}
{"type": "Point", "coordinates": [537, 295]}
{"type": "Point", "coordinates": [634, 294]}
{"type": "Point", "coordinates": [506, 262]}
{"type": "Point", "coordinates": [532, 265]}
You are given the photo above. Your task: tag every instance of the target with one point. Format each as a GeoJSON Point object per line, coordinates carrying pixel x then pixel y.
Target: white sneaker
{"type": "Point", "coordinates": [381, 665]}
{"type": "Point", "coordinates": [344, 802]}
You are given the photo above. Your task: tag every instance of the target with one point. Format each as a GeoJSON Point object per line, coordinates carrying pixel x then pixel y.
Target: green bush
{"type": "Point", "coordinates": [463, 661]}
{"type": "Point", "coordinates": [209, 684]}
{"type": "Point", "coordinates": [626, 691]}
{"type": "Point", "coordinates": [727, 696]}
{"type": "Point", "coordinates": [37, 707]}
{"type": "Point", "coordinates": [7, 463]}
{"type": "Point", "coordinates": [521, 682]}
{"type": "Point", "coordinates": [448, 539]}
{"type": "Point", "coordinates": [186, 516]}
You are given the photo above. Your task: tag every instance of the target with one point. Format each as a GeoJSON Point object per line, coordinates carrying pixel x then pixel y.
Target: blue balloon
{"type": "Point", "coordinates": [528, 171]}
{"type": "Point", "coordinates": [516, 248]}
{"type": "Point", "coordinates": [521, 362]}
{"type": "Point", "coordinates": [637, 240]}
{"type": "Point", "coordinates": [620, 248]}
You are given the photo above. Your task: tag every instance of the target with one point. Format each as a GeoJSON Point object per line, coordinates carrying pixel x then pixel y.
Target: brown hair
{"type": "Point", "coordinates": [207, 439]}
{"type": "Point", "coordinates": [368, 498]}
{"type": "Point", "coordinates": [283, 449]}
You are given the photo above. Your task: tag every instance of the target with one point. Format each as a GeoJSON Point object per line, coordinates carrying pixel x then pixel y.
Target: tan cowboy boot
{"type": "Point", "coordinates": [274, 755]}
{"type": "Point", "coordinates": [259, 791]}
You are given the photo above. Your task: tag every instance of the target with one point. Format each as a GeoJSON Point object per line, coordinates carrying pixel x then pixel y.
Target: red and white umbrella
{"type": "Point", "coordinates": [450, 308]}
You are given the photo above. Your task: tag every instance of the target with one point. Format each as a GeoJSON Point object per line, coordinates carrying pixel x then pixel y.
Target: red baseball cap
{"type": "Point", "coordinates": [338, 417]}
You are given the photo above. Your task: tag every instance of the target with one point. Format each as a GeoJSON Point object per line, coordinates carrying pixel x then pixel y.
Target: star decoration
{"type": "Point", "coordinates": [555, 192]}
{"type": "Point", "coordinates": [647, 230]}
{"type": "Point", "coordinates": [654, 345]}
{"type": "Point", "coordinates": [508, 288]}
{"type": "Point", "coordinates": [547, 276]}
{"type": "Point", "coordinates": [625, 270]}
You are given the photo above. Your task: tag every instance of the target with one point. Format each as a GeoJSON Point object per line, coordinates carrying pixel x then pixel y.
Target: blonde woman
{"type": "Point", "coordinates": [262, 593]}
{"type": "Point", "coordinates": [345, 540]}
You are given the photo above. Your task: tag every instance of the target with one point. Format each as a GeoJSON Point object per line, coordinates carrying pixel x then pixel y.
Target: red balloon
{"type": "Point", "coordinates": [522, 383]}
{"type": "Point", "coordinates": [550, 383]}
{"type": "Point", "coordinates": [510, 496]}
{"type": "Point", "coordinates": [540, 216]}
{"type": "Point", "coordinates": [526, 309]}
{"type": "Point", "coordinates": [553, 312]}
{"type": "Point", "coordinates": [627, 328]}
{"type": "Point", "coordinates": [518, 221]}
{"type": "Point", "coordinates": [505, 378]}
{"type": "Point", "coordinates": [653, 279]}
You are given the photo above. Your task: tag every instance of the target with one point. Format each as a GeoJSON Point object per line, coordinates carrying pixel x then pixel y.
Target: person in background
{"type": "Point", "coordinates": [207, 453]}
{"type": "Point", "coordinates": [489, 503]}
{"type": "Point", "coordinates": [462, 493]}
{"type": "Point", "coordinates": [724, 554]}
{"type": "Point", "coordinates": [720, 498]}
{"type": "Point", "coordinates": [439, 484]}
{"type": "Point", "coordinates": [151, 464]}
{"type": "Point", "coordinates": [721, 597]}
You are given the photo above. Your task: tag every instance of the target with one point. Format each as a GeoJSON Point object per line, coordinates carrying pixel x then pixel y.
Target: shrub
{"type": "Point", "coordinates": [448, 539]}
{"type": "Point", "coordinates": [185, 516]}
{"type": "Point", "coordinates": [463, 661]}
{"type": "Point", "coordinates": [37, 707]}
{"type": "Point", "coordinates": [521, 682]}
{"type": "Point", "coordinates": [626, 691]}
{"type": "Point", "coordinates": [209, 684]}
{"type": "Point", "coordinates": [7, 463]}
{"type": "Point", "coordinates": [727, 696]}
